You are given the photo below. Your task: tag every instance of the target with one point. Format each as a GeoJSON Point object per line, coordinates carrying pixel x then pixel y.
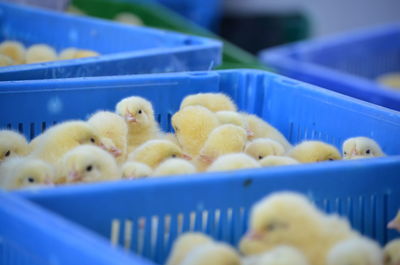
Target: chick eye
{"type": "Point", "coordinates": [92, 140]}
{"type": "Point", "coordinates": [89, 168]}
{"type": "Point", "coordinates": [31, 180]}
{"type": "Point", "coordinates": [260, 157]}
{"type": "Point", "coordinates": [7, 153]}
{"type": "Point", "coordinates": [173, 156]}
{"type": "Point", "coordinates": [368, 151]}
{"type": "Point", "coordinates": [345, 153]}
{"type": "Point", "coordinates": [330, 159]}
{"type": "Point", "coordinates": [140, 111]}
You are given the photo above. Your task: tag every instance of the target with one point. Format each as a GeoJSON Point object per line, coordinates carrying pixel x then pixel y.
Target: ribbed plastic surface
{"type": "Point", "coordinates": [29, 235]}
{"type": "Point", "coordinates": [151, 213]}
{"type": "Point", "coordinates": [124, 49]}
{"type": "Point", "coordinates": [348, 63]}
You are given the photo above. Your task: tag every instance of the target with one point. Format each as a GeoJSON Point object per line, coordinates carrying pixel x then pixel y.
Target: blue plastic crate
{"type": "Point", "coordinates": [347, 63]}
{"type": "Point", "coordinates": [367, 191]}
{"type": "Point", "coordinates": [124, 49]}
{"type": "Point", "coordinates": [218, 204]}
{"type": "Point", "coordinates": [30, 235]}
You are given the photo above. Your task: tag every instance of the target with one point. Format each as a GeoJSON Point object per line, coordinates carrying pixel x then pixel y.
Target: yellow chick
{"type": "Point", "coordinates": [153, 152]}
{"type": "Point", "coordinates": [263, 147]}
{"type": "Point", "coordinates": [135, 170]}
{"type": "Point", "coordinates": [233, 162]}
{"type": "Point", "coordinates": [5, 60]}
{"type": "Point", "coordinates": [361, 147]}
{"type": "Point", "coordinates": [212, 253]}
{"type": "Point", "coordinates": [12, 144]}
{"type": "Point", "coordinates": [184, 244]}
{"type": "Point", "coordinates": [390, 80]}
{"type": "Point", "coordinates": [282, 255]}
{"type": "Point", "coordinates": [174, 166]}
{"type": "Point", "coordinates": [271, 161]}
{"type": "Point", "coordinates": [235, 118]}
{"type": "Point", "coordinates": [14, 50]}
{"type": "Point", "coordinates": [391, 253]}
{"type": "Point", "coordinates": [262, 129]}
{"type": "Point", "coordinates": [61, 138]}
{"type": "Point", "coordinates": [85, 53]}
{"type": "Point", "coordinates": [87, 163]}
{"type": "Point", "coordinates": [139, 115]}
{"type": "Point", "coordinates": [314, 151]}
{"type": "Point", "coordinates": [40, 53]}
{"type": "Point", "coordinates": [19, 172]}
{"type": "Point", "coordinates": [67, 54]}
{"type": "Point", "coordinates": [112, 126]}
{"type": "Point", "coordinates": [192, 126]}
{"type": "Point", "coordinates": [395, 223]}
{"type": "Point", "coordinates": [212, 101]}
{"type": "Point", "coordinates": [128, 18]}
{"type": "Point", "coordinates": [282, 218]}
{"type": "Point", "coordinates": [355, 251]}
{"type": "Point", "coordinates": [224, 139]}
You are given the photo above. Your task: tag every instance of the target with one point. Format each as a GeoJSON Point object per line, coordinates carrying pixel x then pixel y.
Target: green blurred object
{"type": "Point", "coordinates": [154, 15]}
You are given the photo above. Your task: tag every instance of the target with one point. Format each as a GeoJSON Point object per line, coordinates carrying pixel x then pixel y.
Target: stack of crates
{"type": "Point", "coordinates": [73, 224]}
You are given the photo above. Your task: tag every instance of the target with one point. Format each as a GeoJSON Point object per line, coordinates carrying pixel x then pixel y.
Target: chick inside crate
{"type": "Point", "coordinates": [123, 49]}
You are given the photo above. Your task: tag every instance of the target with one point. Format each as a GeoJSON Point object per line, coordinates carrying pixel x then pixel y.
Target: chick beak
{"type": "Point", "coordinates": [115, 152]}
{"type": "Point", "coordinates": [74, 176]}
{"type": "Point", "coordinates": [394, 224]}
{"type": "Point", "coordinates": [206, 159]}
{"type": "Point", "coordinates": [186, 156]}
{"type": "Point", "coordinates": [252, 235]}
{"type": "Point", "coordinates": [130, 118]}
{"type": "Point", "coordinates": [48, 181]}
{"type": "Point", "coordinates": [353, 152]}
{"type": "Point", "coordinates": [250, 133]}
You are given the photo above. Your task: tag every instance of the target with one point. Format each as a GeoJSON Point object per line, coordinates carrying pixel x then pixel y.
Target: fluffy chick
{"type": "Point", "coordinates": [192, 126]}
{"type": "Point", "coordinates": [314, 151]}
{"type": "Point", "coordinates": [40, 53]}
{"type": "Point", "coordinates": [391, 253]}
{"type": "Point", "coordinates": [355, 251]}
{"type": "Point", "coordinates": [12, 144]}
{"type": "Point", "coordinates": [174, 166]}
{"type": "Point", "coordinates": [212, 101]}
{"type": "Point", "coordinates": [233, 162]}
{"type": "Point", "coordinates": [184, 244]}
{"type": "Point", "coordinates": [14, 50]}
{"type": "Point", "coordinates": [87, 163]}
{"type": "Point", "coordinates": [282, 218]}
{"type": "Point", "coordinates": [235, 118]}
{"type": "Point", "coordinates": [271, 161]}
{"type": "Point", "coordinates": [19, 172]}
{"type": "Point", "coordinates": [61, 138]}
{"type": "Point", "coordinates": [112, 126]}
{"type": "Point", "coordinates": [135, 170]}
{"type": "Point", "coordinates": [224, 139]}
{"type": "Point", "coordinates": [153, 152]}
{"type": "Point", "coordinates": [361, 147]}
{"type": "Point", "coordinates": [282, 255]}
{"type": "Point", "coordinates": [73, 53]}
{"type": "Point", "coordinates": [395, 223]}
{"type": "Point", "coordinates": [5, 60]}
{"type": "Point", "coordinates": [139, 115]}
{"type": "Point", "coordinates": [263, 147]}
{"type": "Point", "coordinates": [212, 253]}
{"type": "Point", "coordinates": [262, 129]}
{"type": "Point", "coordinates": [390, 80]}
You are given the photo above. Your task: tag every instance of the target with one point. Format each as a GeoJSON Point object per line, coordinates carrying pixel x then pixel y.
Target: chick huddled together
{"type": "Point", "coordinates": [15, 53]}
{"type": "Point", "coordinates": [285, 228]}
{"type": "Point", "coordinates": [210, 135]}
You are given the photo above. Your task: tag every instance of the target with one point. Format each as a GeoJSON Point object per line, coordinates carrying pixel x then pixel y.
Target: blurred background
{"type": "Point", "coordinates": [252, 25]}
